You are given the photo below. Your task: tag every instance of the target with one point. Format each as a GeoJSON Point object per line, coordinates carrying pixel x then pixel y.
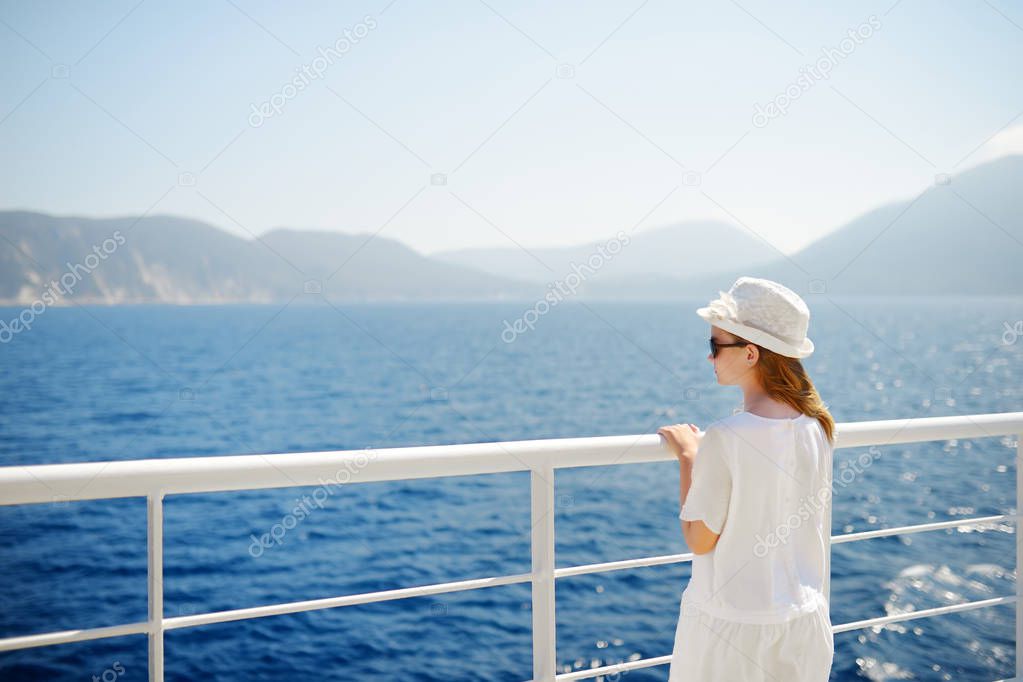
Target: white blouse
{"type": "Point", "coordinates": [764, 485]}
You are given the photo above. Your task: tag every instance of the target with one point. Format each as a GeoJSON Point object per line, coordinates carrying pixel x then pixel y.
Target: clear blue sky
{"type": "Point", "coordinates": [107, 108]}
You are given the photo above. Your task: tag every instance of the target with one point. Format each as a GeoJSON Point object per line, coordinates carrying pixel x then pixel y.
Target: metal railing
{"type": "Point", "coordinates": [156, 478]}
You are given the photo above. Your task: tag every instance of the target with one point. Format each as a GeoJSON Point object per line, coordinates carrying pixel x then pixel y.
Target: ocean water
{"type": "Point", "coordinates": [96, 383]}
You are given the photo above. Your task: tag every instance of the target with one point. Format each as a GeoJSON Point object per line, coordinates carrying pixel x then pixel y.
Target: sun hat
{"type": "Point", "coordinates": [765, 313]}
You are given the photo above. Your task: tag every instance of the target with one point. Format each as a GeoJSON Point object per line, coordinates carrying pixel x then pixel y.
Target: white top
{"type": "Point", "coordinates": [764, 485]}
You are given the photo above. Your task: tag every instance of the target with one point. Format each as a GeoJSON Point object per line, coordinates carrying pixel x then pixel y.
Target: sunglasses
{"type": "Point", "coordinates": [715, 346]}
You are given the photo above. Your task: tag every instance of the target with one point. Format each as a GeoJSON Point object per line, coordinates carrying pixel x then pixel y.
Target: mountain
{"type": "Point", "coordinates": [963, 236]}
{"type": "Point", "coordinates": [168, 259]}
{"type": "Point", "coordinates": [367, 267]}
{"type": "Point", "coordinates": [162, 258]}
{"type": "Point", "coordinates": [662, 254]}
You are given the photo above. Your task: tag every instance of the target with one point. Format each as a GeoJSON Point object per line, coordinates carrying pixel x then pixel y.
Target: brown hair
{"type": "Point", "coordinates": [785, 379]}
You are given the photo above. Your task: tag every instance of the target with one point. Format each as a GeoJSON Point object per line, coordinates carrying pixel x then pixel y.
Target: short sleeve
{"type": "Point", "coordinates": [711, 487]}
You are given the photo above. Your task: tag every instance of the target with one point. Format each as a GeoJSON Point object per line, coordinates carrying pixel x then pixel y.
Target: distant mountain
{"type": "Point", "coordinates": [960, 236]}
{"type": "Point", "coordinates": [176, 260]}
{"type": "Point", "coordinates": [367, 267]}
{"type": "Point", "coordinates": [660, 254]}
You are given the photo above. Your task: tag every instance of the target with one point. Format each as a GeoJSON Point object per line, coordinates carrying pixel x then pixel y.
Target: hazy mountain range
{"type": "Point", "coordinates": [960, 236]}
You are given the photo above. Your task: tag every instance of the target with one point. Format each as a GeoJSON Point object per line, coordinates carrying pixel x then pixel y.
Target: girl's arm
{"type": "Point", "coordinates": [684, 441]}
{"type": "Point", "coordinates": [698, 537]}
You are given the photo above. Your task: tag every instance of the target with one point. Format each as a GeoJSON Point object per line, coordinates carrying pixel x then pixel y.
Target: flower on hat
{"type": "Point", "coordinates": [724, 307]}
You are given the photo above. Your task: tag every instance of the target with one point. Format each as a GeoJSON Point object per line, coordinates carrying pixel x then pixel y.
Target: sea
{"type": "Point", "coordinates": [97, 383]}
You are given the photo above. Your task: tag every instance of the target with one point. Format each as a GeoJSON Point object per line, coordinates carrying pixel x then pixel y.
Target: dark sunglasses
{"type": "Point", "coordinates": [715, 346]}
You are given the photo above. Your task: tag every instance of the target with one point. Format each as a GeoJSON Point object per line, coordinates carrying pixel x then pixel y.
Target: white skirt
{"type": "Point", "coordinates": [709, 649]}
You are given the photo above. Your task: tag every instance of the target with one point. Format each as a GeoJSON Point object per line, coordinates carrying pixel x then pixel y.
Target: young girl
{"type": "Point", "coordinates": [755, 490]}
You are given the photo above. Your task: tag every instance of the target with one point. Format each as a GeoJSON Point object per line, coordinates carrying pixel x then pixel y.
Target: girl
{"type": "Point", "coordinates": [755, 490]}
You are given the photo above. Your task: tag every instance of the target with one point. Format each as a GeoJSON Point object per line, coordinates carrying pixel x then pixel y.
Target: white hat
{"type": "Point", "coordinates": [765, 313]}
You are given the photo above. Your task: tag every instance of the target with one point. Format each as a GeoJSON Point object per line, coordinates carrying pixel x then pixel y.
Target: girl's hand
{"type": "Point", "coordinates": [683, 439]}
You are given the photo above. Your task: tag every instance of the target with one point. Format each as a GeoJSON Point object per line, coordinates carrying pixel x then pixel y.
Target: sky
{"type": "Point", "coordinates": [491, 123]}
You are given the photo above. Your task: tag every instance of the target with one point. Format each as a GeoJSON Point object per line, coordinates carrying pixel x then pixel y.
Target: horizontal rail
{"type": "Point", "coordinates": [920, 528]}
{"type": "Point", "coordinates": [45, 483]}
{"type": "Point", "coordinates": [333, 602]}
{"type": "Point", "coordinates": [606, 566]}
{"type": "Point", "coordinates": [67, 636]}
{"type": "Point", "coordinates": [925, 613]}
{"type": "Point", "coordinates": [614, 668]}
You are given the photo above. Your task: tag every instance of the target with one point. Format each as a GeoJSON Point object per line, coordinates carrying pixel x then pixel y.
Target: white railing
{"type": "Point", "coordinates": [156, 478]}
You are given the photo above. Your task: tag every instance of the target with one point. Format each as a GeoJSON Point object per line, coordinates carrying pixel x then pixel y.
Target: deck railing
{"type": "Point", "coordinates": [156, 478]}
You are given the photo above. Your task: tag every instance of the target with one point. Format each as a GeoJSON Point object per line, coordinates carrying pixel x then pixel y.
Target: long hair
{"type": "Point", "coordinates": [785, 379]}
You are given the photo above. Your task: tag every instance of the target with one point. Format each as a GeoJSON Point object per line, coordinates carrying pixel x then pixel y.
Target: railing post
{"type": "Point", "coordinates": [154, 516]}
{"type": "Point", "coordinates": [541, 483]}
{"type": "Point", "coordinates": [1019, 555]}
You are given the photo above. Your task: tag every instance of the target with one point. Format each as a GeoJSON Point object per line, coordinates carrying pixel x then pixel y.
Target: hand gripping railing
{"type": "Point", "coordinates": [155, 478]}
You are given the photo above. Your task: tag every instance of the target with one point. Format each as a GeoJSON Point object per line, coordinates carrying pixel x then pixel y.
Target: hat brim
{"type": "Point", "coordinates": [761, 338]}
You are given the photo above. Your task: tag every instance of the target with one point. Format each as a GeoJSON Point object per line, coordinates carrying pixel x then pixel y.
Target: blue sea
{"type": "Point", "coordinates": [115, 383]}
